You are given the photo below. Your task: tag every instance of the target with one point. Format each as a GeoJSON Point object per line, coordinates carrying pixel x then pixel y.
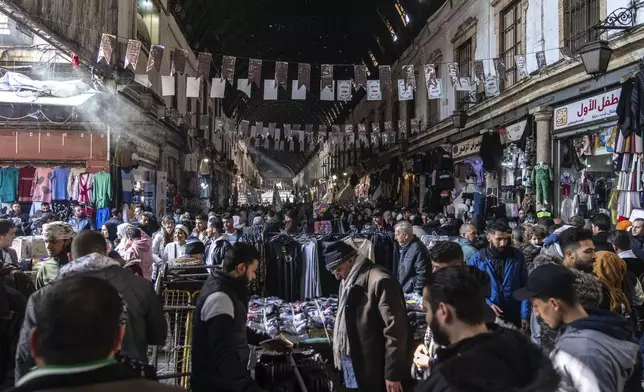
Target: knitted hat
{"type": "Point", "coordinates": [336, 253]}
{"type": "Point", "coordinates": [182, 228]}
{"type": "Point", "coordinates": [624, 225]}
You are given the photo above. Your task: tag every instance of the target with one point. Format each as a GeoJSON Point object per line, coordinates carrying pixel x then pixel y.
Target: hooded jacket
{"type": "Point", "coordinates": [467, 247]}
{"type": "Point", "coordinates": [411, 266]}
{"type": "Point", "coordinates": [141, 249]}
{"type": "Point", "coordinates": [500, 360]}
{"type": "Point", "coordinates": [146, 324]}
{"type": "Point", "coordinates": [598, 353]}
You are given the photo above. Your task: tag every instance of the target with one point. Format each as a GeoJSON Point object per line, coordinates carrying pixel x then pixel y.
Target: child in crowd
{"type": "Point", "coordinates": [535, 234]}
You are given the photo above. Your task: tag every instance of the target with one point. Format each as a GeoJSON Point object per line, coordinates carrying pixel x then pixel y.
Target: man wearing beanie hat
{"type": "Point", "coordinates": [58, 239]}
{"type": "Point", "coordinates": [371, 336]}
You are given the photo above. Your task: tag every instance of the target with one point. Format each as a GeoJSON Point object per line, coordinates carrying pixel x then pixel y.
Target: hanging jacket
{"type": "Point", "coordinates": [489, 151]}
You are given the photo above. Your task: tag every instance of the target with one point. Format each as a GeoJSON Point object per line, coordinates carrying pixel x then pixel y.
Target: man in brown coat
{"type": "Point", "coordinates": [371, 336]}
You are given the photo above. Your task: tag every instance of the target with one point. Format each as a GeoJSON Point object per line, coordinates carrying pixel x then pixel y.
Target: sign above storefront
{"type": "Point", "coordinates": [513, 132]}
{"type": "Point", "coordinates": [466, 148]}
{"type": "Point", "coordinates": [591, 109]}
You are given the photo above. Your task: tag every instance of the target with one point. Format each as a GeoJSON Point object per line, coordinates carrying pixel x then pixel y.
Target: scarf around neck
{"type": "Point", "coordinates": [340, 337]}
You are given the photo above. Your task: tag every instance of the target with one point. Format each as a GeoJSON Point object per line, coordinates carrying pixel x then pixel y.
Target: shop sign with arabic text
{"type": "Point", "coordinates": [587, 110]}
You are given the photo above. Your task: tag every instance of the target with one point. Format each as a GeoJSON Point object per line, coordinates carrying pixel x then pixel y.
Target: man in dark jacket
{"type": "Point", "coordinates": [12, 312]}
{"type": "Point", "coordinates": [478, 357]}
{"type": "Point", "coordinates": [219, 342]}
{"type": "Point", "coordinates": [508, 272]}
{"type": "Point", "coordinates": [621, 243]}
{"type": "Point", "coordinates": [411, 267]}
{"type": "Point", "coordinates": [232, 235]}
{"type": "Point", "coordinates": [637, 238]}
{"type": "Point", "coordinates": [80, 329]}
{"type": "Point", "coordinates": [371, 338]}
{"type": "Point", "coordinates": [601, 231]}
{"type": "Point", "coordinates": [146, 323]}
{"type": "Point", "coordinates": [217, 245]}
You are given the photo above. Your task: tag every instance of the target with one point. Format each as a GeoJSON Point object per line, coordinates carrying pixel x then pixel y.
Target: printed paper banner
{"type": "Point", "coordinates": [360, 76]}
{"type": "Point", "coordinates": [499, 65]}
{"type": "Point", "coordinates": [218, 88]}
{"type": "Point", "coordinates": [244, 127]}
{"type": "Point", "coordinates": [204, 60]}
{"type": "Point", "coordinates": [479, 72]}
{"type": "Point", "coordinates": [167, 86]}
{"type": "Point", "coordinates": [228, 68]}
{"type": "Point", "coordinates": [348, 131]}
{"type": "Point", "coordinates": [452, 71]}
{"type": "Point", "coordinates": [255, 72]}
{"type": "Point", "coordinates": [270, 90]}
{"type": "Point", "coordinates": [287, 131]}
{"type": "Point", "coordinates": [259, 129]}
{"type": "Point", "coordinates": [156, 56]}
{"type": "Point", "coordinates": [374, 93]}
{"type": "Point", "coordinates": [541, 60]}
{"type": "Point", "coordinates": [415, 126]}
{"type": "Point", "coordinates": [375, 133]}
{"type": "Point", "coordinates": [410, 76]}
{"type": "Point", "coordinates": [344, 90]}
{"type": "Point", "coordinates": [327, 77]}
{"type": "Point", "coordinates": [362, 133]}
{"type": "Point", "coordinates": [385, 77]}
{"type": "Point", "coordinates": [193, 87]}
{"type": "Point", "coordinates": [178, 61]}
{"type": "Point", "coordinates": [281, 73]}
{"type": "Point", "coordinates": [435, 91]}
{"type": "Point", "coordinates": [105, 49]}
{"type": "Point", "coordinates": [491, 86]}
{"type": "Point", "coordinates": [132, 54]}
{"type": "Point", "coordinates": [404, 93]}
{"type": "Point", "coordinates": [402, 127]}
{"type": "Point", "coordinates": [327, 93]}
{"type": "Point", "coordinates": [297, 94]}
{"type": "Point", "coordinates": [304, 76]}
{"type": "Point", "coordinates": [388, 133]}
{"type": "Point", "coordinates": [244, 86]}
{"type": "Point", "coordinates": [522, 68]}
{"type": "Point", "coordinates": [464, 84]}
{"type": "Point", "coordinates": [219, 124]}
{"type": "Point", "coordinates": [430, 75]}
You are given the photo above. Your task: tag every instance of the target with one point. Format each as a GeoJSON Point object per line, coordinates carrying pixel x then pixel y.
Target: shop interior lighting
{"type": "Point", "coordinates": [334, 177]}
{"type": "Point", "coordinates": [344, 174]}
{"type": "Point", "coordinates": [206, 160]}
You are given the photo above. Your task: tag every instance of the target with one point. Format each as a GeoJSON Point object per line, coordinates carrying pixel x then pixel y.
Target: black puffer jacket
{"type": "Point", "coordinates": [216, 250]}
{"type": "Point", "coordinates": [146, 323]}
{"type": "Point", "coordinates": [12, 312]}
{"type": "Point", "coordinates": [411, 266]}
{"type": "Point", "coordinates": [500, 360]}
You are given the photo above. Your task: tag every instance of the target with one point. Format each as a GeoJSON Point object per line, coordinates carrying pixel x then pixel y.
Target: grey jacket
{"type": "Point", "coordinates": [411, 267]}
{"type": "Point", "coordinates": [146, 324]}
{"type": "Point", "coordinates": [597, 353]}
{"type": "Point", "coordinates": [467, 247]}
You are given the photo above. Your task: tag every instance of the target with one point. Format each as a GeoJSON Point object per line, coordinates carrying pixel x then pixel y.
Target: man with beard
{"type": "Point", "coordinates": [601, 230]}
{"type": "Point", "coordinates": [371, 339]}
{"type": "Point", "coordinates": [58, 239]}
{"type": "Point", "coordinates": [220, 350]}
{"type": "Point", "coordinates": [478, 357]}
{"type": "Point", "coordinates": [595, 350]}
{"type": "Point", "coordinates": [637, 238]}
{"type": "Point", "coordinates": [578, 249]}
{"type": "Point", "coordinates": [8, 256]}
{"type": "Point", "coordinates": [80, 221]}
{"type": "Point", "coordinates": [507, 269]}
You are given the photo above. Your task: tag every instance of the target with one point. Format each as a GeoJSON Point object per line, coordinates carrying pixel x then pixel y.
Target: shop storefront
{"type": "Point", "coordinates": [469, 177]}
{"type": "Point", "coordinates": [514, 181]}
{"type": "Point", "coordinates": [584, 142]}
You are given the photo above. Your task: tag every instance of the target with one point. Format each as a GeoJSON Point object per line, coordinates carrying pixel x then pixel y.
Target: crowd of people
{"type": "Point", "coordinates": [529, 305]}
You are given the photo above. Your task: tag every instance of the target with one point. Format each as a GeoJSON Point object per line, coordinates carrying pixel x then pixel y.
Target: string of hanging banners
{"type": "Point", "coordinates": [329, 89]}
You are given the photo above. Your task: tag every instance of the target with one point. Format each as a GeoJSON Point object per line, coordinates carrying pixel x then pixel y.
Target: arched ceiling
{"type": "Point", "coordinates": [315, 32]}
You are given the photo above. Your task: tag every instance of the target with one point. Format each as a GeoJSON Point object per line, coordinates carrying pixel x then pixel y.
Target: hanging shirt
{"type": "Point", "coordinates": [59, 180]}
{"type": "Point", "coordinates": [73, 183]}
{"type": "Point", "coordinates": [126, 183]}
{"type": "Point", "coordinates": [102, 189]}
{"type": "Point", "coordinates": [41, 187]}
{"type": "Point", "coordinates": [85, 185]}
{"type": "Point", "coordinates": [8, 184]}
{"type": "Point", "coordinates": [25, 182]}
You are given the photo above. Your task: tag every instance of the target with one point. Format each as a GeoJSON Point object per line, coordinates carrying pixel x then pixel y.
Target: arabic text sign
{"type": "Point", "coordinates": [471, 146]}
{"type": "Point", "coordinates": [587, 110]}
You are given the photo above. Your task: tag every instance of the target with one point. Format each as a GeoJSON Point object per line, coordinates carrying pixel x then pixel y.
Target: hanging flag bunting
{"type": "Point", "coordinates": [388, 132]}
{"type": "Point", "coordinates": [322, 133]}
{"type": "Point", "coordinates": [156, 56]}
{"type": "Point", "coordinates": [567, 54]}
{"type": "Point", "coordinates": [410, 76]}
{"type": "Point", "coordinates": [360, 76]}
{"type": "Point", "coordinates": [178, 61]}
{"type": "Point", "coordinates": [327, 76]}
{"type": "Point", "coordinates": [272, 130]}
{"type": "Point", "coordinates": [499, 66]}
{"type": "Point", "coordinates": [105, 49]}
{"type": "Point", "coordinates": [132, 54]}
{"type": "Point", "coordinates": [244, 128]}
{"type": "Point", "coordinates": [541, 60]}
{"type": "Point", "coordinates": [244, 86]}
{"type": "Point", "coordinates": [287, 131]}
{"type": "Point", "coordinates": [452, 71]}
{"type": "Point", "coordinates": [167, 86]}
{"type": "Point", "coordinates": [385, 77]}
{"type": "Point", "coordinates": [304, 76]}
{"type": "Point", "coordinates": [522, 67]}
{"type": "Point", "coordinates": [430, 75]}
{"type": "Point", "coordinates": [362, 134]}
{"type": "Point", "coordinates": [344, 90]}
{"type": "Point", "coordinates": [404, 93]}
{"type": "Point", "coordinates": [204, 60]}
{"type": "Point", "coordinates": [374, 93]}
{"type": "Point", "coordinates": [402, 128]}
{"type": "Point", "coordinates": [300, 139]}
{"type": "Point", "coordinates": [228, 68]}
{"type": "Point", "coordinates": [256, 131]}
{"type": "Point", "coordinates": [435, 91]}
{"type": "Point", "coordinates": [219, 124]}
{"type": "Point", "coordinates": [415, 126]}
{"type": "Point", "coordinates": [491, 86]}
{"type": "Point", "coordinates": [327, 93]}
{"type": "Point", "coordinates": [255, 72]}
{"type": "Point", "coordinates": [348, 132]}
{"type": "Point", "coordinates": [270, 90]}
{"type": "Point", "coordinates": [193, 87]}
{"type": "Point", "coordinates": [297, 93]}
{"type": "Point", "coordinates": [281, 73]}
{"type": "Point", "coordinates": [479, 72]}
{"type": "Point", "coordinates": [218, 88]}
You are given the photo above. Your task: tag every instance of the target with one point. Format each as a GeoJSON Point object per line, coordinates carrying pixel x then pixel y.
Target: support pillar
{"type": "Point", "coordinates": [543, 119]}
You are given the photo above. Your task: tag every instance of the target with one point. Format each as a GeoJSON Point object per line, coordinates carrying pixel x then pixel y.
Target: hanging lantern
{"type": "Point", "coordinates": [459, 119]}
{"type": "Point", "coordinates": [596, 57]}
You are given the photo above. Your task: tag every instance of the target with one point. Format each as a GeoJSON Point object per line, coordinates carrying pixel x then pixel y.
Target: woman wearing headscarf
{"type": "Point", "coordinates": [140, 249]}
{"type": "Point", "coordinates": [109, 233]}
{"type": "Point", "coordinates": [177, 248]}
{"type": "Point", "coordinates": [617, 285]}
{"type": "Point", "coordinates": [121, 243]}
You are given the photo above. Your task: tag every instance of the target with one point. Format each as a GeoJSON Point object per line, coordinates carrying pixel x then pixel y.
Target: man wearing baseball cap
{"type": "Point", "coordinates": [596, 350]}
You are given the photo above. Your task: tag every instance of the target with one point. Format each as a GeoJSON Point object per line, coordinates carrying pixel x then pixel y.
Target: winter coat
{"type": "Point", "coordinates": [600, 240]}
{"type": "Point", "coordinates": [220, 345]}
{"type": "Point", "coordinates": [378, 329]}
{"type": "Point", "coordinates": [515, 276]}
{"type": "Point", "coordinates": [84, 223]}
{"type": "Point", "coordinates": [500, 360]}
{"type": "Point", "coordinates": [418, 231]}
{"type": "Point", "coordinates": [12, 312]}
{"type": "Point", "coordinates": [146, 323]}
{"type": "Point", "coordinates": [141, 249]}
{"type": "Point", "coordinates": [467, 247]}
{"type": "Point", "coordinates": [216, 250]}
{"type": "Point", "coordinates": [111, 376]}
{"type": "Point", "coordinates": [8, 256]}
{"type": "Point", "coordinates": [411, 266]}
{"type": "Point", "coordinates": [598, 353]}
{"type": "Point", "coordinates": [637, 246]}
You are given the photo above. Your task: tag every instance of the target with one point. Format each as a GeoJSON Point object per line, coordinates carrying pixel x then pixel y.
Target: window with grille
{"type": "Point", "coordinates": [434, 110]}
{"type": "Point", "coordinates": [511, 45]}
{"type": "Point", "coordinates": [463, 57]}
{"type": "Point", "coordinates": [579, 18]}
